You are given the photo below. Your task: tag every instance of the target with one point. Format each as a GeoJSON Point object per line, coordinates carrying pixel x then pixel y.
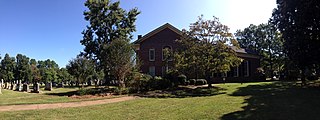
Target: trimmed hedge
{"type": "Point", "coordinates": [201, 82]}
{"type": "Point", "coordinates": [182, 79]}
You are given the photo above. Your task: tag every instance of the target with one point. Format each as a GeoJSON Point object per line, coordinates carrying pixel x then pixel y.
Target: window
{"type": "Point", "coordinates": [246, 68]}
{"type": "Point", "coordinates": [236, 72]}
{"type": "Point", "coordinates": [151, 54]}
{"type": "Point", "coordinates": [224, 74]}
{"type": "Point", "coordinates": [164, 54]}
{"type": "Point", "coordinates": [152, 70]}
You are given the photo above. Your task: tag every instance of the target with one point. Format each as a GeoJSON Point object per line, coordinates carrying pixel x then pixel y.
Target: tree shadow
{"type": "Point", "coordinates": [277, 101]}
{"type": "Point", "coordinates": [86, 91]}
{"type": "Point", "coordinates": [183, 92]}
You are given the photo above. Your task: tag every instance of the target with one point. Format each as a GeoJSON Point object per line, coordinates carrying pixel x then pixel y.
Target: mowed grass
{"type": "Point", "coordinates": [263, 101]}
{"type": "Point", "coordinates": [10, 97]}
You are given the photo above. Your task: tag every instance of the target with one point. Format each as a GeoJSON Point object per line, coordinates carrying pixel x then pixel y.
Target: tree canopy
{"type": "Point", "coordinates": [108, 22]}
{"type": "Point", "coordinates": [206, 49]}
{"type": "Point", "coordinates": [299, 23]}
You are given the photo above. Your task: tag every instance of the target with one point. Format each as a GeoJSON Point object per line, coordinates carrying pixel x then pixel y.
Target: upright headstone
{"type": "Point", "coordinates": [36, 88]}
{"type": "Point", "coordinates": [0, 89]}
{"type": "Point", "coordinates": [48, 86]}
{"type": "Point", "coordinates": [25, 87]}
{"type": "Point", "coordinates": [20, 86]}
{"type": "Point", "coordinates": [13, 85]}
{"type": "Point", "coordinates": [2, 83]}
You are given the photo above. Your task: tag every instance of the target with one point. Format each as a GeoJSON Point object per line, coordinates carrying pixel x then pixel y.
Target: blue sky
{"type": "Point", "coordinates": [51, 29]}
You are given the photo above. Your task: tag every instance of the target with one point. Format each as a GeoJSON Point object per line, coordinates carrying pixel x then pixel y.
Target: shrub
{"type": "Point", "coordinates": [84, 91]}
{"type": "Point", "coordinates": [201, 82]}
{"type": "Point", "coordinates": [182, 79]}
{"type": "Point", "coordinates": [192, 81]}
{"type": "Point", "coordinates": [121, 91]}
{"type": "Point", "coordinates": [160, 83]}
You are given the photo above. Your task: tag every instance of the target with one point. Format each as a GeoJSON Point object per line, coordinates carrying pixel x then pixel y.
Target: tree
{"type": "Point", "coordinates": [48, 70]}
{"type": "Point", "coordinates": [300, 28]}
{"type": "Point", "coordinates": [205, 49]}
{"type": "Point", "coordinates": [8, 65]}
{"type": "Point", "coordinates": [121, 52]}
{"type": "Point", "coordinates": [81, 68]}
{"type": "Point", "coordinates": [22, 70]}
{"type": "Point", "coordinates": [108, 22]}
{"type": "Point", "coordinates": [267, 41]}
{"type": "Point", "coordinates": [35, 73]}
{"type": "Point", "coordinates": [63, 75]}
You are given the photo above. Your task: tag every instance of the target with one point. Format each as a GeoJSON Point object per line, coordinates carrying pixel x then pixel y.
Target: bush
{"type": "Point", "coordinates": [201, 82]}
{"type": "Point", "coordinates": [192, 81]}
{"type": "Point", "coordinates": [121, 91]}
{"type": "Point", "coordinates": [160, 83]}
{"type": "Point", "coordinates": [182, 79]}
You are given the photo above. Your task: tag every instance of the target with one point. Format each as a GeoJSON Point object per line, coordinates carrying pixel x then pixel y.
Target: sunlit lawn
{"type": "Point", "coordinates": [265, 100]}
{"type": "Point", "coordinates": [10, 97]}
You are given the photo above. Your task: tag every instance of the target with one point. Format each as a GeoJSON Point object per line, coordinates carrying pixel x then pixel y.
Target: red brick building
{"type": "Point", "coordinates": [149, 50]}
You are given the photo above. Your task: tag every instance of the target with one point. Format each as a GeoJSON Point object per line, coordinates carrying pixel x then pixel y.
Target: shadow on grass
{"type": "Point", "coordinates": [183, 92]}
{"type": "Point", "coordinates": [85, 91]}
{"type": "Point", "coordinates": [277, 101]}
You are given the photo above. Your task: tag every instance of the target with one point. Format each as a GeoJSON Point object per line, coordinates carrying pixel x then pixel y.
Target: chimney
{"type": "Point", "coordinates": [139, 36]}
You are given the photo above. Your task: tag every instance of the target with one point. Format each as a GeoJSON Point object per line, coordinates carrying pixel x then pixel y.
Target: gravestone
{"type": "Point", "coordinates": [8, 85]}
{"type": "Point", "coordinates": [2, 83]}
{"type": "Point", "coordinates": [54, 84]}
{"type": "Point", "coordinates": [13, 85]}
{"type": "Point", "coordinates": [25, 87]}
{"type": "Point", "coordinates": [20, 85]}
{"type": "Point", "coordinates": [36, 88]}
{"type": "Point", "coordinates": [60, 85]}
{"type": "Point", "coordinates": [48, 86]}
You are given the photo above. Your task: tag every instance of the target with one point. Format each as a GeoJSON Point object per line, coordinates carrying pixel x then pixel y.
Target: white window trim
{"type": "Point", "coordinates": [162, 52]}
{"type": "Point", "coordinates": [247, 66]}
{"type": "Point", "coordinates": [237, 73]}
{"type": "Point", "coordinates": [154, 55]}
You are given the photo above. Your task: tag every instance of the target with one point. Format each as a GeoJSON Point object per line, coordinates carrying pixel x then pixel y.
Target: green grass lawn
{"type": "Point", "coordinates": [265, 100]}
{"type": "Point", "coordinates": [10, 97]}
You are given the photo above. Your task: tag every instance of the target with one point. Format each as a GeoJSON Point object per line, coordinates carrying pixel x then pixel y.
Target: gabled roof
{"type": "Point", "coordinates": [157, 30]}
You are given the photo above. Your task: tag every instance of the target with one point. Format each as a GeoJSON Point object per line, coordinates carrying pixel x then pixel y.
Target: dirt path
{"type": "Point", "coordinates": [64, 105]}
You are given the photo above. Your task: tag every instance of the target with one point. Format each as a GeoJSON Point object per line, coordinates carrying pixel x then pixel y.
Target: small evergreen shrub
{"type": "Point", "coordinates": [182, 79]}
{"type": "Point", "coordinates": [192, 81]}
{"type": "Point", "coordinates": [201, 82]}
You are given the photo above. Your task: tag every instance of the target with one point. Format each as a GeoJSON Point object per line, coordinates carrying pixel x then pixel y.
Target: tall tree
{"type": "Point", "coordinates": [108, 22]}
{"type": "Point", "coordinates": [121, 52]}
{"type": "Point", "coordinates": [267, 41]}
{"type": "Point", "coordinates": [35, 73]}
{"type": "Point", "coordinates": [48, 70]}
{"type": "Point", "coordinates": [205, 47]}
{"type": "Point", "coordinates": [8, 65]}
{"type": "Point", "coordinates": [299, 23]}
{"type": "Point", "coordinates": [81, 68]}
{"type": "Point", "coordinates": [22, 70]}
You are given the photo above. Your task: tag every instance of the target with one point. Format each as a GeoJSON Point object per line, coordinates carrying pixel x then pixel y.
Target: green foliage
{"type": "Point", "coordinates": [8, 66]}
{"type": "Point", "coordinates": [300, 30]}
{"type": "Point", "coordinates": [120, 63]}
{"type": "Point", "coordinates": [23, 69]}
{"type": "Point", "coordinates": [205, 49]}
{"type": "Point", "coordinates": [106, 38]}
{"type": "Point", "coordinates": [182, 79]}
{"type": "Point", "coordinates": [145, 82]}
{"type": "Point", "coordinates": [192, 81]}
{"type": "Point", "coordinates": [201, 82]}
{"type": "Point", "coordinates": [267, 41]}
{"type": "Point", "coordinates": [81, 68]}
